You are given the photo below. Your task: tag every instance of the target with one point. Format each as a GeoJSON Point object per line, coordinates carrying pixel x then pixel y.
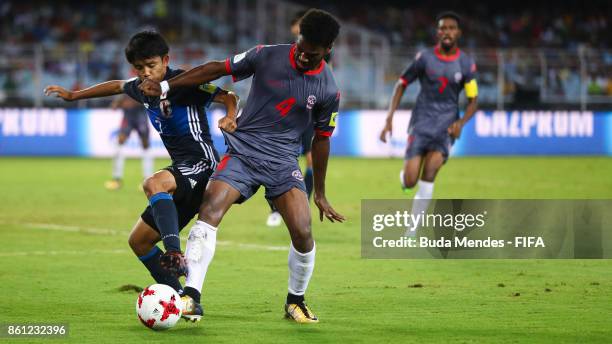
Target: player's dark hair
{"type": "Point", "coordinates": [145, 45]}
{"type": "Point", "coordinates": [449, 14]}
{"type": "Point", "coordinates": [319, 27]}
{"type": "Point", "coordinates": [296, 18]}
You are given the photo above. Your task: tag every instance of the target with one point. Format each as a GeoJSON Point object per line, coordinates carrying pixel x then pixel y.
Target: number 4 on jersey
{"type": "Point", "coordinates": [285, 106]}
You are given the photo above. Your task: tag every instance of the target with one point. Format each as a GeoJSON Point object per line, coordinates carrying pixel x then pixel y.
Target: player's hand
{"type": "Point", "coordinates": [150, 88]}
{"type": "Point", "coordinates": [387, 130]}
{"type": "Point", "coordinates": [59, 92]}
{"type": "Point", "coordinates": [455, 129]}
{"type": "Point", "coordinates": [228, 124]}
{"type": "Point", "coordinates": [327, 210]}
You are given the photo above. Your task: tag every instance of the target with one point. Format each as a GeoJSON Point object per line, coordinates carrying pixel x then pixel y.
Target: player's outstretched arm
{"type": "Point", "coordinates": [201, 74]}
{"type": "Point", "coordinates": [105, 89]}
{"type": "Point", "coordinates": [230, 100]}
{"type": "Point", "coordinates": [320, 155]}
{"type": "Point", "coordinates": [398, 92]}
{"type": "Point", "coordinates": [455, 129]}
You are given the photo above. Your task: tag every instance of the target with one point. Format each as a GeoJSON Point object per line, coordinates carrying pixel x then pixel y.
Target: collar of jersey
{"type": "Point", "coordinates": [446, 58]}
{"type": "Point", "coordinates": [309, 72]}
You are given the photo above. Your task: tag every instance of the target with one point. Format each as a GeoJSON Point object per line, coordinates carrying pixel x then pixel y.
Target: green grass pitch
{"type": "Point", "coordinates": [64, 255]}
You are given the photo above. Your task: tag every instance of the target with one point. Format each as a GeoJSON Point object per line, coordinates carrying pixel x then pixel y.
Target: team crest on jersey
{"type": "Point", "coordinates": [310, 102]}
{"type": "Point", "coordinates": [297, 174]}
{"type": "Point", "coordinates": [458, 77]}
{"type": "Point", "coordinates": [165, 108]}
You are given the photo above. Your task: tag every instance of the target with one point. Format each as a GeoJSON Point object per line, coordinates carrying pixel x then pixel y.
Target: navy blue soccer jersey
{"type": "Point", "coordinates": [442, 79]}
{"type": "Point", "coordinates": [180, 119]}
{"type": "Point", "coordinates": [282, 103]}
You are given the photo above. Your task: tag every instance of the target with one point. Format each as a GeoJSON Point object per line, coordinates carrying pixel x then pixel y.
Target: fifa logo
{"type": "Point", "coordinates": [310, 102]}
{"type": "Point", "coordinates": [165, 108]}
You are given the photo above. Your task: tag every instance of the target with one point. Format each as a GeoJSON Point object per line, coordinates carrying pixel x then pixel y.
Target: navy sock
{"type": "Point", "coordinates": [309, 180]}
{"type": "Point", "coordinates": [272, 207]}
{"type": "Point", "coordinates": [166, 219]}
{"type": "Point", "coordinates": [193, 293]}
{"type": "Point", "coordinates": [160, 275]}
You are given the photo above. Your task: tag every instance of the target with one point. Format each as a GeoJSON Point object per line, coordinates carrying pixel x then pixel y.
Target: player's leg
{"type": "Point", "coordinates": [229, 184]}
{"type": "Point", "coordinates": [142, 240]}
{"type": "Point", "coordinates": [147, 156]}
{"type": "Point", "coordinates": [293, 206]}
{"type": "Point", "coordinates": [158, 189]}
{"type": "Point", "coordinates": [432, 162]}
{"type": "Point", "coordinates": [410, 173]}
{"type": "Point", "coordinates": [119, 157]}
{"type": "Point", "coordinates": [274, 218]}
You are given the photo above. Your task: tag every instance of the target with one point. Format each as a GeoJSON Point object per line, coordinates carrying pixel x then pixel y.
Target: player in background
{"type": "Point", "coordinates": [443, 72]}
{"type": "Point", "coordinates": [134, 118]}
{"type": "Point", "coordinates": [275, 219]}
{"type": "Point", "coordinates": [175, 192]}
{"type": "Point", "coordinates": [292, 86]}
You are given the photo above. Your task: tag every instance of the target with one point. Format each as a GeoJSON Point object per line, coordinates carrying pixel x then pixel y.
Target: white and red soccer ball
{"type": "Point", "coordinates": [159, 307]}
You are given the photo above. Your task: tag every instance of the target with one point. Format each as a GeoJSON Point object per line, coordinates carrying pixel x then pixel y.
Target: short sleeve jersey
{"type": "Point", "coordinates": [442, 79]}
{"type": "Point", "coordinates": [180, 119]}
{"type": "Point", "coordinates": [282, 103]}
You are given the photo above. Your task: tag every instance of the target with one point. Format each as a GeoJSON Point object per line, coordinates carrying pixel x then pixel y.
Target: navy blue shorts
{"type": "Point", "coordinates": [135, 119]}
{"type": "Point", "coordinates": [419, 145]}
{"type": "Point", "coordinates": [191, 180]}
{"type": "Point", "coordinates": [247, 174]}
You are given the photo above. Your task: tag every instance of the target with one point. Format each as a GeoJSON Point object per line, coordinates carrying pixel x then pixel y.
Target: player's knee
{"type": "Point", "coordinates": [151, 186]}
{"type": "Point", "coordinates": [409, 181]}
{"type": "Point", "coordinates": [136, 244]}
{"type": "Point", "coordinates": [145, 144]}
{"type": "Point", "coordinates": [302, 238]}
{"type": "Point", "coordinates": [211, 214]}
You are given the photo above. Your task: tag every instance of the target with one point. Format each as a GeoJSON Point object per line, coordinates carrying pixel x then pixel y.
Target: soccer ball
{"type": "Point", "coordinates": [159, 307]}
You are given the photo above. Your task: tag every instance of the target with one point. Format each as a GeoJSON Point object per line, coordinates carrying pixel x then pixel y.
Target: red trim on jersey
{"type": "Point", "coordinates": [309, 72]}
{"type": "Point", "coordinates": [403, 81]}
{"type": "Point", "coordinates": [323, 133]}
{"type": "Point", "coordinates": [228, 69]}
{"type": "Point", "coordinates": [446, 58]}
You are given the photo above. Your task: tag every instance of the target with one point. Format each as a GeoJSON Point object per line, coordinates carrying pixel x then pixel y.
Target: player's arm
{"type": "Point", "coordinates": [105, 89]}
{"type": "Point", "coordinates": [411, 73]}
{"type": "Point", "coordinates": [199, 75]}
{"type": "Point", "coordinates": [230, 100]}
{"type": "Point", "coordinates": [471, 92]}
{"type": "Point", "coordinates": [325, 123]}
{"type": "Point", "coordinates": [320, 156]}
{"type": "Point", "coordinates": [398, 92]}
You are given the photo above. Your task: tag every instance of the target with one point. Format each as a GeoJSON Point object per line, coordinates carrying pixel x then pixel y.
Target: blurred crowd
{"type": "Point", "coordinates": [81, 41]}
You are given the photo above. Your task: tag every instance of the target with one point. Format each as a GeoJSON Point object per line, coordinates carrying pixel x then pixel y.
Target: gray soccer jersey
{"type": "Point", "coordinates": [282, 103]}
{"type": "Point", "coordinates": [442, 78]}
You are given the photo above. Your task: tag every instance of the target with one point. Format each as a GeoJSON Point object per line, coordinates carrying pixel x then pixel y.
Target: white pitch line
{"type": "Point", "coordinates": [59, 253]}
{"type": "Point", "coordinates": [115, 232]}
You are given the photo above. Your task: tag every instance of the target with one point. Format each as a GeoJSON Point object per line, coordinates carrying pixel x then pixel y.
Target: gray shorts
{"type": "Point", "coordinates": [419, 145]}
{"type": "Point", "coordinates": [247, 174]}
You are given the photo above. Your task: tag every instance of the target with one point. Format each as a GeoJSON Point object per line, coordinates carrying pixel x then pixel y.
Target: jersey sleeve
{"type": "Point", "coordinates": [325, 116]}
{"type": "Point", "coordinates": [244, 65]}
{"type": "Point", "coordinates": [130, 87]}
{"type": "Point", "coordinates": [469, 79]}
{"type": "Point", "coordinates": [413, 71]}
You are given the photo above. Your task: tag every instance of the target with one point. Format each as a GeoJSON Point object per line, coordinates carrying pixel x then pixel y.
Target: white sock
{"type": "Point", "coordinates": [199, 253]}
{"type": "Point", "coordinates": [402, 180]}
{"type": "Point", "coordinates": [147, 163]}
{"type": "Point", "coordinates": [300, 270]}
{"type": "Point", "coordinates": [118, 162]}
{"type": "Point", "coordinates": [421, 201]}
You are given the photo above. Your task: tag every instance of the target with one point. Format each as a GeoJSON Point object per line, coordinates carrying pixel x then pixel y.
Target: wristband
{"type": "Point", "coordinates": [165, 87]}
